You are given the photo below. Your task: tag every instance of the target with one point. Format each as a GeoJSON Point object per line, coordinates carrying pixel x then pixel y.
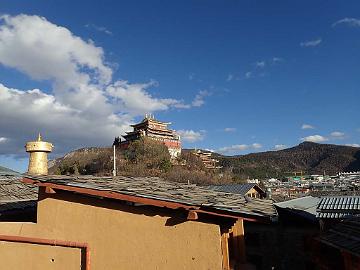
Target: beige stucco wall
{"type": "Point", "coordinates": [124, 237]}
{"type": "Point", "coordinates": [19, 256]}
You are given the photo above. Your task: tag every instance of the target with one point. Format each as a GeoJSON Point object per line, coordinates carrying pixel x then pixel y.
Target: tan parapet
{"type": "Point", "coordinates": [38, 161]}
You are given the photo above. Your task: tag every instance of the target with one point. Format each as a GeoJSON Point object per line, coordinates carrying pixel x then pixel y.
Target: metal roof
{"type": "Point", "coordinates": [345, 236]}
{"type": "Point", "coordinates": [241, 189]}
{"type": "Point", "coordinates": [338, 207]}
{"type": "Point", "coordinates": [161, 190]}
{"type": "Point", "coordinates": [306, 204]}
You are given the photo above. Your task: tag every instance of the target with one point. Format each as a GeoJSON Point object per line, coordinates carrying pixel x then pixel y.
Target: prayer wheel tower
{"type": "Point", "coordinates": [38, 162]}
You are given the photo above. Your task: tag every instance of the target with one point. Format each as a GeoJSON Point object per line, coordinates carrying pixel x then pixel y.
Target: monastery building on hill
{"type": "Point", "coordinates": [156, 130]}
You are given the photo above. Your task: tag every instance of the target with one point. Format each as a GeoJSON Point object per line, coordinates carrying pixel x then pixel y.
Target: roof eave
{"type": "Point", "coordinates": [148, 201]}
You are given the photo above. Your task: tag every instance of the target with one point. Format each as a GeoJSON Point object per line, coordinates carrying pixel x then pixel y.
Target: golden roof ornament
{"type": "Point", "coordinates": [38, 161]}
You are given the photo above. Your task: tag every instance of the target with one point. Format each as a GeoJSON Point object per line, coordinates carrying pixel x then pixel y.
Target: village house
{"type": "Point", "coordinates": [251, 190]}
{"type": "Point", "coordinates": [129, 223]}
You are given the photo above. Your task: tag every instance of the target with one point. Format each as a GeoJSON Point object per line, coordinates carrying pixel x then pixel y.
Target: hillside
{"type": "Point", "coordinates": [4, 170]}
{"type": "Point", "coordinates": [312, 158]}
{"type": "Point", "coordinates": [91, 160]}
{"type": "Point", "coordinates": [308, 157]}
{"type": "Point", "coordinates": [144, 157]}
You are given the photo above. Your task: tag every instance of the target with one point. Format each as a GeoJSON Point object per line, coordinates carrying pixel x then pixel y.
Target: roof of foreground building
{"type": "Point", "coordinates": [338, 206]}
{"type": "Point", "coordinates": [158, 192]}
{"type": "Point", "coordinates": [15, 194]}
{"type": "Point", "coordinates": [345, 235]}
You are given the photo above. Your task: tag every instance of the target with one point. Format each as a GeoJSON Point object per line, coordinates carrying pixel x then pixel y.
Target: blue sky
{"type": "Point", "coordinates": [234, 76]}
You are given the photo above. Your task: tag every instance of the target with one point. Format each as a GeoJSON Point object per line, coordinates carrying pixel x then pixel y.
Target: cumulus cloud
{"type": "Point", "coordinates": [3, 139]}
{"type": "Point", "coordinates": [229, 129]}
{"type": "Point", "coordinates": [315, 138]}
{"type": "Point", "coordinates": [353, 22]}
{"type": "Point", "coordinates": [311, 43]}
{"type": "Point", "coordinates": [307, 126]}
{"type": "Point", "coordinates": [25, 113]}
{"type": "Point", "coordinates": [134, 98]}
{"type": "Point", "coordinates": [84, 106]}
{"type": "Point", "coordinates": [353, 144]}
{"type": "Point", "coordinates": [337, 135]}
{"type": "Point", "coordinates": [191, 136]}
{"type": "Point", "coordinates": [280, 146]}
{"type": "Point", "coordinates": [239, 148]}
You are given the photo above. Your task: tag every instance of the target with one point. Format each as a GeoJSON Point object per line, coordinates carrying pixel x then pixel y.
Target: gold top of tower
{"type": "Point", "coordinates": [38, 145]}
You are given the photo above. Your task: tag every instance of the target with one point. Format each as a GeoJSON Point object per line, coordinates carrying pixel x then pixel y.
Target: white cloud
{"type": "Point", "coordinates": [260, 64]}
{"type": "Point", "coordinates": [348, 21]}
{"type": "Point", "coordinates": [311, 43]}
{"type": "Point", "coordinates": [229, 129]}
{"type": "Point", "coordinates": [134, 99]}
{"type": "Point", "coordinates": [84, 106]}
{"type": "Point", "coordinates": [191, 136]}
{"type": "Point", "coordinates": [337, 135]}
{"type": "Point", "coordinates": [280, 146]}
{"type": "Point", "coordinates": [99, 28]}
{"type": "Point", "coordinates": [3, 139]}
{"type": "Point", "coordinates": [25, 113]}
{"type": "Point", "coordinates": [353, 144]}
{"type": "Point", "coordinates": [238, 148]}
{"type": "Point", "coordinates": [230, 77]}
{"type": "Point", "coordinates": [315, 138]}
{"type": "Point", "coordinates": [199, 98]}
{"type": "Point", "coordinates": [277, 60]}
{"type": "Point", "coordinates": [248, 75]}
{"type": "Point", "coordinates": [256, 145]}
{"type": "Point", "coordinates": [307, 126]}
{"type": "Point", "coordinates": [46, 51]}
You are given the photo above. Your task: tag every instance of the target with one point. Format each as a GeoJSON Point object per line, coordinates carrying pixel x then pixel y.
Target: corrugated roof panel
{"type": "Point", "coordinates": [341, 205]}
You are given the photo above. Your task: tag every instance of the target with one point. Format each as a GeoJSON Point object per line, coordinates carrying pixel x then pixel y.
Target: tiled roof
{"type": "Point", "coordinates": [241, 189]}
{"type": "Point", "coordinates": [159, 189]}
{"type": "Point", "coordinates": [345, 236]}
{"type": "Point", "coordinates": [14, 194]}
{"type": "Point", "coordinates": [338, 207]}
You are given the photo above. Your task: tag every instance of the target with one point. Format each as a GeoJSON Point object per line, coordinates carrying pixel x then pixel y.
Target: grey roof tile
{"type": "Point", "coordinates": [159, 189]}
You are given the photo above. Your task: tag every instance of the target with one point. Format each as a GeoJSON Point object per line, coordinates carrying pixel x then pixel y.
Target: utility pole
{"type": "Point", "coordinates": [115, 143]}
{"type": "Point", "coordinates": [114, 170]}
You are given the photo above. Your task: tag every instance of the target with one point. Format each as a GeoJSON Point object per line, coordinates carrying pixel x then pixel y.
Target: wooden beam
{"type": "Point", "coordinates": [238, 241]}
{"type": "Point", "coordinates": [225, 251]}
{"type": "Point", "coordinates": [260, 219]}
{"type": "Point", "coordinates": [49, 190]}
{"type": "Point", "coordinates": [192, 215]}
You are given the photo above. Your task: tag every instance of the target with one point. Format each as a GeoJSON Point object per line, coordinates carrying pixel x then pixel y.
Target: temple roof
{"type": "Point", "coordinates": [148, 120]}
